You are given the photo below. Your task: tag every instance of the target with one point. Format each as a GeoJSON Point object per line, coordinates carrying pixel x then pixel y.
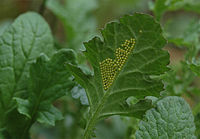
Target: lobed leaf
{"type": "Point", "coordinates": [49, 80]}
{"type": "Point", "coordinates": [140, 40]}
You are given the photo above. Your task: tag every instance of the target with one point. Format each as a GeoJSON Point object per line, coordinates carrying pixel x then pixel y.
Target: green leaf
{"type": "Point", "coordinates": [20, 44]}
{"type": "Point", "coordinates": [77, 18]}
{"type": "Point", "coordinates": [49, 116]}
{"type": "Point", "coordinates": [195, 68]}
{"type": "Point", "coordinates": [142, 60]}
{"type": "Point", "coordinates": [15, 126]}
{"type": "Point", "coordinates": [172, 118]}
{"type": "Point", "coordinates": [49, 80]}
{"type": "Point", "coordinates": [193, 7]}
{"type": "Point", "coordinates": [162, 6]}
{"type": "Point", "coordinates": [178, 81]}
{"type": "Point", "coordinates": [4, 25]}
{"type": "Point", "coordinates": [197, 123]}
{"type": "Point", "coordinates": [189, 38]}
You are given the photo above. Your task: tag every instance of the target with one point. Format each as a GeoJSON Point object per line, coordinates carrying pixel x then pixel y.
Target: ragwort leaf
{"type": "Point", "coordinates": [123, 65]}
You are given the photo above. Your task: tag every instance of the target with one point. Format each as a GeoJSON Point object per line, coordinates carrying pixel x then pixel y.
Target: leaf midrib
{"type": "Point", "coordinates": [36, 106]}
{"type": "Point", "coordinates": [94, 117]}
{"type": "Point", "coordinates": [101, 103]}
{"type": "Point", "coordinates": [24, 63]}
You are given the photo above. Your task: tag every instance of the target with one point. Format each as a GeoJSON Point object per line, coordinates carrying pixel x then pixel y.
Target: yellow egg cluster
{"type": "Point", "coordinates": [109, 67]}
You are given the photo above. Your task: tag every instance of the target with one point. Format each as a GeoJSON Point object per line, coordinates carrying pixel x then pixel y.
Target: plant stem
{"type": "Point", "coordinates": [26, 130]}
{"type": "Point", "coordinates": [33, 117]}
{"type": "Point", "coordinates": [94, 117]}
{"type": "Point", "coordinates": [42, 7]}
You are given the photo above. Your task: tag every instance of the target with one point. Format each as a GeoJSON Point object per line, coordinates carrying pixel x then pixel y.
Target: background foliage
{"type": "Point", "coordinates": [75, 21]}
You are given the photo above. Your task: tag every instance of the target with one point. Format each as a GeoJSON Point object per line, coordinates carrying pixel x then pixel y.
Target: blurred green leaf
{"type": "Point", "coordinates": [4, 25]}
{"type": "Point", "coordinates": [112, 128]}
{"type": "Point", "coordinates": [162, 6]}
{"type": "Point", "coordinates": [49, 80]}
{"type": "Point", "coordinates": [18, 51]}
{"type": "Point", "coordinates": [77, 18]}
{"type": "Point", "coordinates": [189, 37]}
{"type": "Point", "coordinates": [132, 124]}
{"type": "Point", "coordinates": [195, 68]}
{"type": "Point", "coordinates": [20, 44]}
{"type": "Point", "coordinates": [178, 82]}
{"type": "Point", "coordinates": [197, 123]}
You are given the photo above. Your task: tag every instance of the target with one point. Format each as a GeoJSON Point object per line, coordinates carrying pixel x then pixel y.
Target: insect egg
{"type": "Point", "coordinates": [109, 67]}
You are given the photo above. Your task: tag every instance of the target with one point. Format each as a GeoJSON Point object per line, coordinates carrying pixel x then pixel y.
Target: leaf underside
{"type": "Point", "coordinates": [146, 59]}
